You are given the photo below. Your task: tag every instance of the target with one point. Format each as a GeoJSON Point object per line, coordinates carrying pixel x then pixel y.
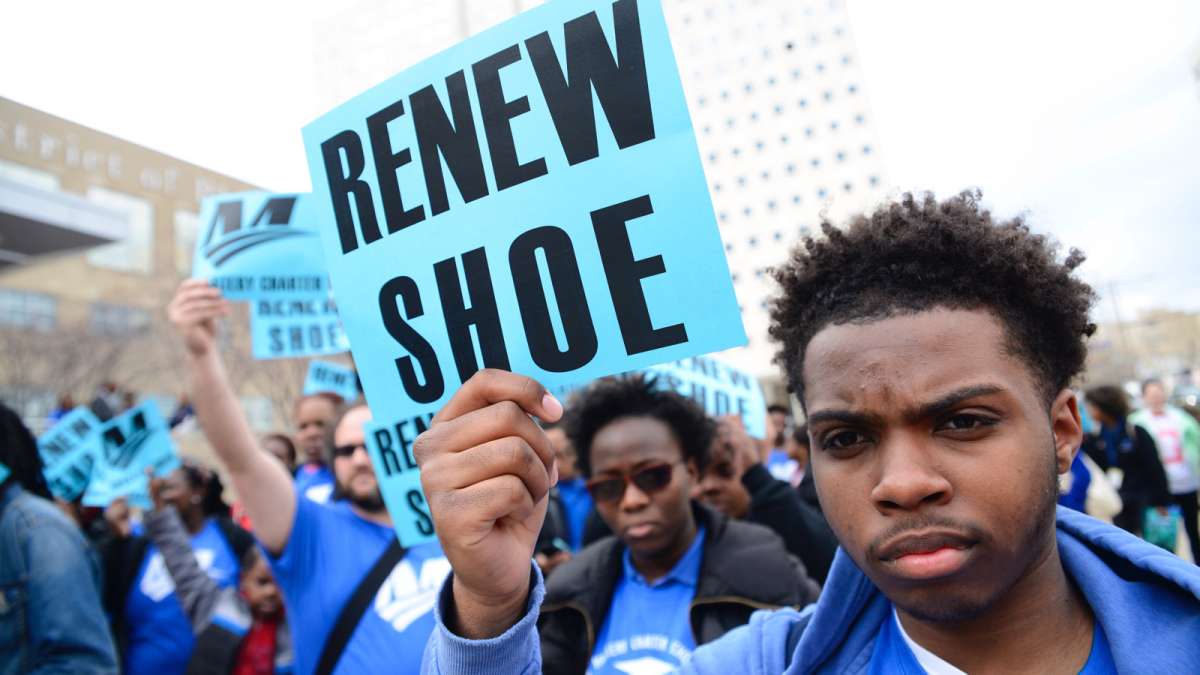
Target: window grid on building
{"type": "Point", "coordinates": [21, 309]}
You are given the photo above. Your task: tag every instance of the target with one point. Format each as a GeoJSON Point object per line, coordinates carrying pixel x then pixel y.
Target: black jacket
{"type": "Point", "coordinates": [744, 567]}
{"type": "Point", "coordinates": [554, 527]}
{"type": "Point", "coordinates": [1144, 483]}
{"type": "Point", "coordinates": [808, 491]}
{"type": "Point", "coordinates": [777, 505]}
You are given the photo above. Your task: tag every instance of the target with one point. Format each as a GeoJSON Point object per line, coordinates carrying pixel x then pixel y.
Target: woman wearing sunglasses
{"type": "Point", "coordinates": [675, 574]}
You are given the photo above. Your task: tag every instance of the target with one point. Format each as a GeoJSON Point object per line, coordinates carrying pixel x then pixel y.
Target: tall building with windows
{"type": "Point", "coordinates": [776, 97]}
{"type": "Point", "coordinates": [74, 311]}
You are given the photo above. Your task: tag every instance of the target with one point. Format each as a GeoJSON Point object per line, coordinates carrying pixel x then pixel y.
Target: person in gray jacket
{"type": "Point", "coordinates": [238, 630]}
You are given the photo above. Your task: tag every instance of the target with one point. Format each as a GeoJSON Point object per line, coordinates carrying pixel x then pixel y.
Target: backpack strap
{"type": "Point", "coordinates": [356, 606]}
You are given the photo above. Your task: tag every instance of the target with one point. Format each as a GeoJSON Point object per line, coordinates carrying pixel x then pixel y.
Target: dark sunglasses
{"type": "Point", "coordinates": [347, 450]}
{"type": "Point", "coordinates": [649, 480]}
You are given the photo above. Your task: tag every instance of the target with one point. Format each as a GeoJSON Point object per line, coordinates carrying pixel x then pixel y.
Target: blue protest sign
{"type": "Point", "coordinates": [257, 244]}
{"type": "Point", "coordinates": [390, 447]}
{"type": "Point", "coordinates": [296, 327]}
{"type": "Point", "coordinates": [5, 472]}
{"type": "Point", "coordinates": [531, 199]}
{"type": "Point", "coordinates": [719, 387]}
{"type": "Point", "coordinates": [130, 443]}
{"type": "Point", "coordinates": [68, 451]}
{"type": "Point", "coordinates": [332, 378]}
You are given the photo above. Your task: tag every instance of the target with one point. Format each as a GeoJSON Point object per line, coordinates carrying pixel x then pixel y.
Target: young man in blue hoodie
{"type": "Point", "coordinates": [932, 348]}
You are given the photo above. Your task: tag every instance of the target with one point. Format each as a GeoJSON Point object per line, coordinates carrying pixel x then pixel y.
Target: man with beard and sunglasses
{"type": "Point", "coordinates": [932, 347]}
{"type": "Point", "coordinates": [324, 556]}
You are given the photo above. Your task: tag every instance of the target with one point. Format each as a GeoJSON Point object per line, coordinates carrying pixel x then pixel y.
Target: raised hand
{"type": "Point", "coordinates": [487, 469]}
{"type": "Point", "coordinates": [745, 450]}
{"type": "Point", "coordinates": [119, 518]}
{"type": "Point", "coordinates": [194, 312]}
{"type": "Point", "coordinates": [157, 485]}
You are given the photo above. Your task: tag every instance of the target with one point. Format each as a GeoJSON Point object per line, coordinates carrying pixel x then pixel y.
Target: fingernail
{"type": "Point", "coordinates": [551, 406]}
{"type": "Point", "coordinates": [554, 473]}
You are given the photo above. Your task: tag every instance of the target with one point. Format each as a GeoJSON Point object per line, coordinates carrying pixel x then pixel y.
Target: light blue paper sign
{"type": "Point", "coordinates": [332, 378]}
{"type": "Point", "coordinates": [390, 448]}
{"type": "Point", "coordinates": [256, 245]}
{"type": "Point", "coordinates": [719, 387]}
{"type": "Point", "coordinates": [130, 443]}
{"type": "Point", "coordinates": [296, 327]}
{"type": "Point", "coordinates": [531, 199]}
{"type": "Point", "coordinates": [68, 450]}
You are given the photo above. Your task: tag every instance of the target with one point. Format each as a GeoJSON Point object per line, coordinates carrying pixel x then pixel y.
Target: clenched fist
{"type": "Point", "coordinates": [194, 312]}
{"type": "Point", "coordinates": [487, 469]}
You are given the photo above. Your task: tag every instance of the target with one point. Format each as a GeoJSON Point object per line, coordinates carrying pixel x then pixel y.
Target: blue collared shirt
{"type": "Point", "coordinates": [647, 629]}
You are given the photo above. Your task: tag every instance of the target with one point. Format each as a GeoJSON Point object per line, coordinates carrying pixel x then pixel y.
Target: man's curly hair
{"type": "Point", "coordinates": [637, 395]}
{"type": "Point", "coordinates": [917, 254]}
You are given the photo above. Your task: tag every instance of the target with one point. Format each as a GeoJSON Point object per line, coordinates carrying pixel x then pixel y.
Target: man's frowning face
{"type": "Point", "coordinates": [313, 415]}
{"type": "Point", "coordinates": [935, 457]}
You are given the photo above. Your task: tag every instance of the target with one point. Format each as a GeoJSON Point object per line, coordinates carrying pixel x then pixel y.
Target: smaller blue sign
{"type": "Point", "coordinates": [68, 450]}
{"type": "Point", "coordinates": [719, 387]}
{"type": "Point", "coordinates": [296, 328]}
{"type": "Point", "coordinates": [399, 478]}
{"type": "Point", "coordinates": [129, 444]}
{"type": "Point", "coordinates": [331, 378]}
{"type": "Point", "coordinates": [4, 472]}
{"type": "Point", "coordinates": [257, 244]}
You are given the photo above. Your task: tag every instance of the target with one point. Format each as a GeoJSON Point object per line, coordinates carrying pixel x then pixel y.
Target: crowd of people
{"type": "Point", "coordinates": [905, 519]}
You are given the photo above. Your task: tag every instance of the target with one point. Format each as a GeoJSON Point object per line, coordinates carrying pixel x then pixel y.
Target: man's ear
{"type": "Point", "coordinates": [1068, 430]}
{"type": "Point", "coordinates": [693, 471]}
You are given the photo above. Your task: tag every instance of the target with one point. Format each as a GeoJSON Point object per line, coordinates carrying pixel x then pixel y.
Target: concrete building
{"type": "Point", "coordinates": [776, 97]}
{"type": "Point", "coordinates": [74, 313]}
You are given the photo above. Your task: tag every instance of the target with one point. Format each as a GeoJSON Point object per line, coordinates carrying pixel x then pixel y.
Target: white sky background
{"type": "Point", "coordinates": [1084, 115]}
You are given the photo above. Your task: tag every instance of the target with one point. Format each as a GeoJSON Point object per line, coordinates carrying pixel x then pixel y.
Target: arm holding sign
{"type": "Point", "coordinates": [262, 482]}
{"type": "Point", "coordinates": [487, 469]}
{"type": "Point", "coordinates": [197, 592]}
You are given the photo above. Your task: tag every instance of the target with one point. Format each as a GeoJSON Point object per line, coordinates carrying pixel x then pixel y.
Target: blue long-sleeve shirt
{"type": "Point", "coordinates": [51, 618]}
{"type": "Point", "coordinates": [1149, 610]}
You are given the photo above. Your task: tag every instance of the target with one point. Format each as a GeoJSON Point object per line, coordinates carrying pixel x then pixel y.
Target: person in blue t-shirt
{"type": "Point", "coordinates": [932, 348]}
{"type": "Point", "coordinates": [319, 554]}
{"type": "Point", "coordinates": [313, 416]}
{"type": "Point", "coordinates": [150, 624]}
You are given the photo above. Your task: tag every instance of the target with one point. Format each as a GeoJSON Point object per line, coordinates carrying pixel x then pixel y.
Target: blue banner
{"type": "Point", "coordinates": [719, 387]}
{"type": "Point", "coordinates": [130, 443]}
{"type": "Point", "coordinates": [332, 378]}
{"type": "Point", "coordinates": [296, 327]}
{"type": "Point", "coordinates": [531, 199]}
{"type": "Point", "coordinates": [257, 244]}
{"type": "Point", "coordinates": [390, 447]}
{"type": "Point", "coordinates": [68, 450]}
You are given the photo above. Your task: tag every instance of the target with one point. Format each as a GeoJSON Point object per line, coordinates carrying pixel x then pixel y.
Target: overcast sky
{"type": "Point", "coordinates": [1084, 115]}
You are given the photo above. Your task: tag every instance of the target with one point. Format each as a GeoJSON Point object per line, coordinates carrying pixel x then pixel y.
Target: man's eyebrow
{"type": "Point", "coordinates": [931, 409]}
{"type": "Point", "coordinates": [945, 403]}
{"type": "Point", "coordinates": [845, 417]}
